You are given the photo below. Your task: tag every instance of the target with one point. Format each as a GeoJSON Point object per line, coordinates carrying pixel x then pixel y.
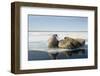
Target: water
{"type": "Point", "coordinates": [38, 40]}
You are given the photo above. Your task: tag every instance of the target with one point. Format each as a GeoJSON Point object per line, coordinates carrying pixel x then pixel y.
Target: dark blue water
{"type": "Point", "coordinates": [42, 55]}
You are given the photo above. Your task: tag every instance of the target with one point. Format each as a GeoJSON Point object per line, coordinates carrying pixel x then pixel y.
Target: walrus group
{"type": "Point", "coordinates": [65, 43]}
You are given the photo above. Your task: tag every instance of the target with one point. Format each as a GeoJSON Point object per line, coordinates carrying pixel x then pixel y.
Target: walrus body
{"type": "Point", "coordinates": [70, 43]}
{"type": "Point", "coordinates": [53, 42]}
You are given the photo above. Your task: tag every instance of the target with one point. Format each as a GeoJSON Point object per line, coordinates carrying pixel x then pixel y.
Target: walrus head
{"type": "Point", "coordinates": [53, 41]}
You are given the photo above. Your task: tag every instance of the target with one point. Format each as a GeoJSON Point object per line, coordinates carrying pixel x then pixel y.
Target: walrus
{"type": "Point", "coordinates": [53, 41]}
{"type": "Point", "coordinates": [70, 43]}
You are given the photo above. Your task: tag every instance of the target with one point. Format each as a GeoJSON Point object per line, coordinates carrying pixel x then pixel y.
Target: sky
{"type": "Point", "coordinates": [57, 23]}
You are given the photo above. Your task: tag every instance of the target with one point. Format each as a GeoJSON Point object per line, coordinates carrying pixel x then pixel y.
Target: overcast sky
{"type": "Point", "coordinates": [57, 23]}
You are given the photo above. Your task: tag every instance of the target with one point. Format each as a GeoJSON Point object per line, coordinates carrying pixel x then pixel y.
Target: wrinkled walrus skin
{"type": "Point", "coordinates": [70, 43]}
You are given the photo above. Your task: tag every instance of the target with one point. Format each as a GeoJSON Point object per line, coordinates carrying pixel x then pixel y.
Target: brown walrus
{"type": "Point", "coordinates": [70, 43]}
{"type": "Point", "coordinates": [53, 41]}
